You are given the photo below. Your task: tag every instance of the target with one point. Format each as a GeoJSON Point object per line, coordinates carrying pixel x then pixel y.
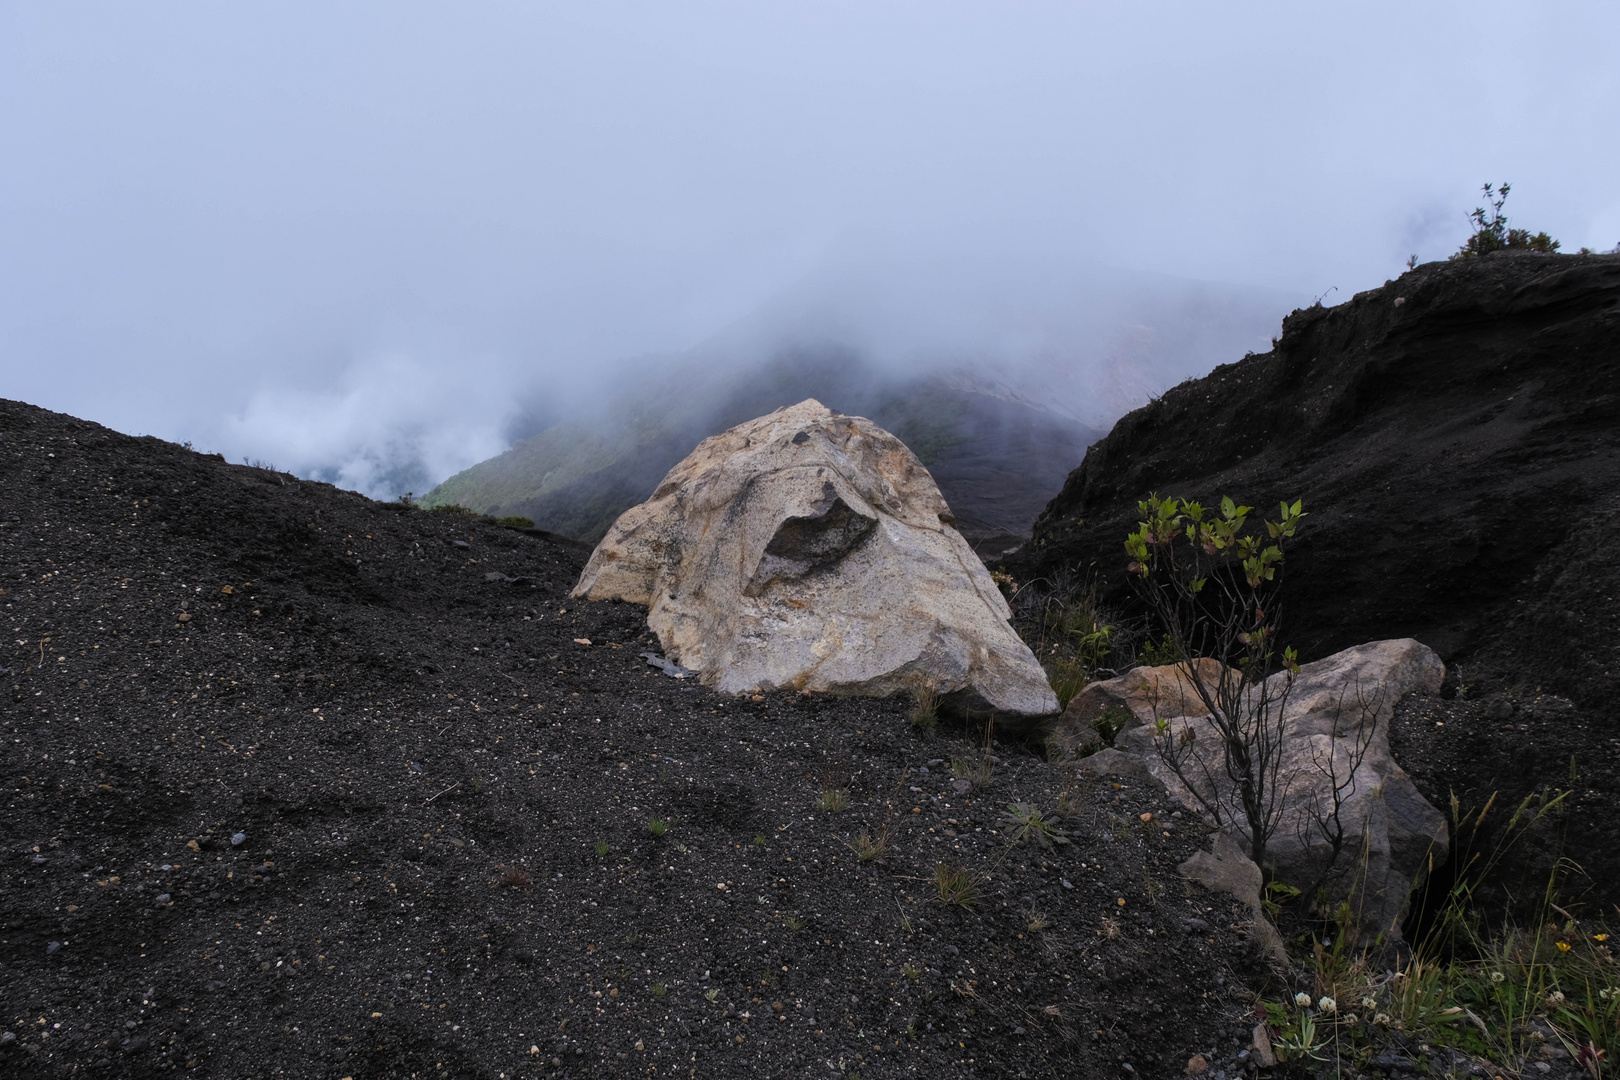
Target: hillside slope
{"type": "Point", "coordinates": [1456, 437]}
{"type": "Point", "coordinates": [301, 784]}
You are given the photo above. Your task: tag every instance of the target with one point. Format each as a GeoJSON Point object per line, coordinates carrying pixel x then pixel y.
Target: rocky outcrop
{"type": "Point", "coordinates": [1349, 818]}
{"type": "Point", "coordinates": [811, 550]}
{"type": "Point", "coordinates": [1455, 436]}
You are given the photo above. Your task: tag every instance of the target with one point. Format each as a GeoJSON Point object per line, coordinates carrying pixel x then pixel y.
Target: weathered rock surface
{"type": "Point", "coordinates": [1225, 868]}
{"type": "Point", "coordinates": [1336, 725]}
{"type": "Point", "coordinates": [811, 550]}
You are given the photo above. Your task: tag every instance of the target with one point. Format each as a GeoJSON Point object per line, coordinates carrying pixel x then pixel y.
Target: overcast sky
{"type": "Point", "coordinates": [286, 230]}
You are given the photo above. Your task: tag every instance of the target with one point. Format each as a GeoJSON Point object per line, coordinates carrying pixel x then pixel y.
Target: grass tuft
{"type": "Point", "coordinates": [956, 885]}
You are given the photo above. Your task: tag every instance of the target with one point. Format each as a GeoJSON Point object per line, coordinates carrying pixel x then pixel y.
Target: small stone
{"type": "Point", "coordinates": [129, 1025]}
{"type": "Point", "coordinates": [163, 898]}
{"type": "Point", "coordinates": [1066, 883]}
{"type": "Point", "coordinates": [51, 947]}
{"type": "Point", "coordinates": [7, 1038]}
{"type": "Point", "coordinates": [238, 839]}
{"type": "Point", "coordinates": [185, 616]}
{"type": "Point", "coordinates": [460, 544]}
{"type": "Point", "coordinates": [1196, 926]}
{"type": "Point", "coordinates": [1197, 1065]}
{"type": "Point", "coordinates": [37, 859]}
{"type": "Point", "coordinates": [961, 787]}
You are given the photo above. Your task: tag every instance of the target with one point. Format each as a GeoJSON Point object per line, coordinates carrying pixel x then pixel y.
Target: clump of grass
{"type": "Point", "coordinates": [658, 990]}
{"type": "Point", "coordinates": [1068, 677]}
{"type": "Point", "coordinates": [956, 885]}
{"type": "Point", "coordinates": [1110, 929]}
{"type": "Point", "coordinates": [759, 839]}
{"type": "Point", "coordinates": [1024, 823]}
{"type": "Point", "coordinates": [515, 521]}
{"type": "Point", "coordinates": [602, 849]}
{"type": "Point", "coordinates": [912, 972]}
{"type": "Point", "coordinates": [869, 848]}
{"type": "Point", "coordinates": [1038, 923]}
{"type": "Point", "coordinates": [833, 799]}
{"type": "Point", "coordinates": [711, 996]}
{"type": "Point", "coordinates": [976, 769]}
{"type": "Point", "coordinates": [658, 826]}
{"type": "Point", "coordinates": [924, 715]}
{"type": "Point", "coordinates": [455, 509]}
{"type": "Point", "coordinates": [794, 923]}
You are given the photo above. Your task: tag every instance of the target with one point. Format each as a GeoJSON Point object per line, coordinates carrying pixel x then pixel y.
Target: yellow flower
{"type": "Point", "coordinates": [1563, 946]}
{"type": "Point", "coordinates": [1600, 937]}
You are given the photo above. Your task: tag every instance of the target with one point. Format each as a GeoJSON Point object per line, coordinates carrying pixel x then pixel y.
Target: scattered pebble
{"type": "Point", "coordinates": [238, 839]}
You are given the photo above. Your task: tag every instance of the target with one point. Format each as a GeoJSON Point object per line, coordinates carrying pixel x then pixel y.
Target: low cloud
{"type": "Point", "coordinates": [392, 424]}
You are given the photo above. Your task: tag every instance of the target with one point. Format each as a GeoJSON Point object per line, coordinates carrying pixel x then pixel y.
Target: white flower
{"type": "Point", "coordinates": [1369, 1003]}
{"type": "Point", "coordinates": [1381, 1018]}
{"type": "Point", "coordinates": [1555, 998]}
{"type": "Point", "coordinates": [1497, 976]}
{"type": "Point", "coordinates": [1328, 1005]}
{"type": "Point", "coordinates": [1302, 999]}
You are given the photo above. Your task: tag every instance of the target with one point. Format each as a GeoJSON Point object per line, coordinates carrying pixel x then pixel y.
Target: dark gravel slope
{"type": "Point", "coordinates": [298, 784]}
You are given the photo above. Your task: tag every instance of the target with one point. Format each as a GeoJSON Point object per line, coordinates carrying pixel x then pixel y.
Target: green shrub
{"type": "Point", "coordinates": [455, 508]}
{"type": "Point", "coordinates": [516, 522]}
{"type": "Point", "coordinates": [1491, 232]}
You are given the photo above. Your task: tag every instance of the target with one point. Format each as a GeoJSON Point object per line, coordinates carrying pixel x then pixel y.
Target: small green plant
{"type": "Point", "coordinates": [711, 996]}
{"type": "Point", "coordinates": [924, 715]}
{"type": "Point", "coordinates": [602, 849]}
{"type": "Point", "coordinates": [976, 769]}
{"type": "Point", "coordinates": [1297, 1038]}
{"type": "Point", "coordinates": [911, 971]}
{"type": "Point", "coordinates": [478, 785]}
{"type": "Point", "coordinates": [1491, 232]}
{"type": "Point", "coordinates": [869, 848]}
{"type": "Point", "coordinates": [516, 521]}
{"type": "Point", "coordinates": [455, 509]}
{"type": "Point", "coordinates": [1024, 823]}
{"type": "Point", "coordinates": [1159, 653]}
{"type": "Point", "coordinates": [794, 923]}
{"type": "Point", "coordinates": [833, 799]}
{"type": "Point", "coordinates": [1068, 677]}
{"type": "Point", "coordinates": [1110, 722]}
{"type": "Point", "coordinates": [1037, 923]}
{"type": "Point", "coordinates": [759, 839]}
{"type": "Point", "coordinates": [658, 826]}
{"type": "Point", "coordinates": [658, 990]}
{"type": "Point", "coordinates": [956, 885]}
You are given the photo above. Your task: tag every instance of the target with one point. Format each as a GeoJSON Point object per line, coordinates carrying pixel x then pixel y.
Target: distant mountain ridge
{"type": "Point", "coordinates": [996, 458]}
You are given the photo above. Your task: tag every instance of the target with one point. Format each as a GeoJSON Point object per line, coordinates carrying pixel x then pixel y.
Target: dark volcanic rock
{"type": "Point", "coordinates": [1456, 438]}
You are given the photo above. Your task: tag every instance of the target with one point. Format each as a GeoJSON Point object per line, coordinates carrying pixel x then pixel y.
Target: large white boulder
{"type": "Point", "coordinates": [812, 551]}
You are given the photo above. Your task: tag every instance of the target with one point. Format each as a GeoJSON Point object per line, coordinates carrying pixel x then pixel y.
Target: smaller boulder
{"type": "Point", "coordinates": [1349, 819]}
